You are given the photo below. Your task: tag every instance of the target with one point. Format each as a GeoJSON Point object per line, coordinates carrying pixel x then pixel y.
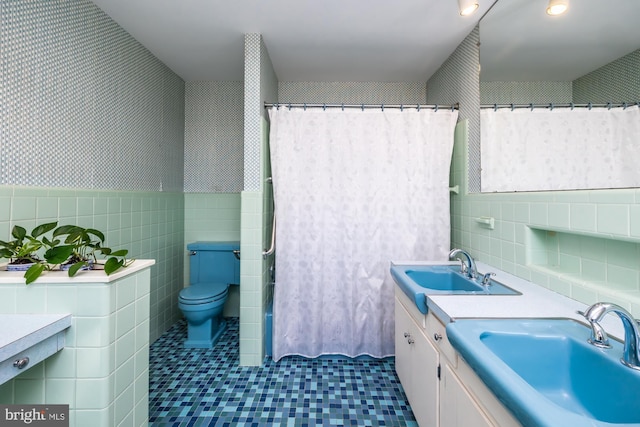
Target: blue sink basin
{"type": "Point", "coordinates": [417, 281]}
{"type": "Point", "coordinates": [547, 374]}
{"type": "Point", "coordinates": [443, 280]}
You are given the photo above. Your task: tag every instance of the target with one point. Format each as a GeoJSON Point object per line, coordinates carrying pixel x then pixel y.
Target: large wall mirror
{"type": "Point", "coordinates": [587, 57]}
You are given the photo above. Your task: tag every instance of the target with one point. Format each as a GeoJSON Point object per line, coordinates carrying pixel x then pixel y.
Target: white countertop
{"type": "Point", "coordinates": [18, 332]}
{"type": "Point", "coordinates": [91, 276]}
{"type": "Point", "coordinates": [535, 301]}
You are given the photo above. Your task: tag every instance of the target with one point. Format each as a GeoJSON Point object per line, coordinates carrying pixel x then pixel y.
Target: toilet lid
{"type": "Point", "coordinates": [203, 291]}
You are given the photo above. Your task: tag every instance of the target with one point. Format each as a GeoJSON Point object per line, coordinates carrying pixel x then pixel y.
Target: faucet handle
{"type": "Point", "coordinates": [486, 278]}
{"type": "Point", "coordinates": [463, 267]}
{"type": "Point", "coordinates": [598, 336]}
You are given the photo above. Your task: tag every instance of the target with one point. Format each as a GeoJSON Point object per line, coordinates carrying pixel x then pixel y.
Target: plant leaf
{"type": "Point", "coordinates": [96, 233]}
{"type": "Point", "coordinates": [120, 252]}
{"type": "Point", "coordinates": [41, 229]}
{"type": "Point", "coordinates": [64, 229]}
{"type": "Point", "coordinates": [5, 253]}
{"type": "Point", "coordinates": [76, 267]}
{"type": "Point", "coordinates": [59, 254]}
{"type": "Point", "coordinates": [76, 235]}
{"type": "Point", "coordinates": [112, 265]}
{"type": "Point", "coordinates": [33, 272]}
{"type": "Point", "coordinates": [18, 232]}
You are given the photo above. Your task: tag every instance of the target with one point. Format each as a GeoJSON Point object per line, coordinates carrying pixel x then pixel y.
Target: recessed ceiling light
{"type": "Point", "coordinates": [557, 7]}
{"type": "Point", "coordinates": [467, 7]}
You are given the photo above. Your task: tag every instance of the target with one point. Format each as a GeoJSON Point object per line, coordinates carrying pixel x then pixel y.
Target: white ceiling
{"type": "Point", "coordinates": [520, 42]}
{"type": "Point", "coordinates": [378, 40]}
{"type": "Point", "coordinates": [307, 40]}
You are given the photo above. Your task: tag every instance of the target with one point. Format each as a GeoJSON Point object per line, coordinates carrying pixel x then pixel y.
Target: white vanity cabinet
{"type": "Point", "coordinates": [442, 389]}
{"type": "Point", "coordinates": [457, 407]}
{"type": "Point", "coordinates": [417, 364]}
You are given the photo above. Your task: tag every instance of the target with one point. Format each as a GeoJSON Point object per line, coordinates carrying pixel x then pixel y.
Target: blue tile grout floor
{"type": "Point", "coordinates": [202, 387]}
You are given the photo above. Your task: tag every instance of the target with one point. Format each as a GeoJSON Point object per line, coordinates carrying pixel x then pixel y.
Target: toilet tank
{"type": "Point", "coordinates": [214, 262]}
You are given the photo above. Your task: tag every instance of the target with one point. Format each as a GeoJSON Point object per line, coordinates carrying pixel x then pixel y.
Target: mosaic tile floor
{"type": "Point", "coordinates": [207, 388]}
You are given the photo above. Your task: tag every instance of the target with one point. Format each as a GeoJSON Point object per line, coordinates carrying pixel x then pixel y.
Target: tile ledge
{"type": "Point", "coordinates": [93, 276]}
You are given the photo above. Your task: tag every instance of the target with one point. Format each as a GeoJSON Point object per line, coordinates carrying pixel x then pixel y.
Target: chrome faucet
{"type": "Point", "coordinates": [486, 279]}
{"type": "Point", "coordinates": [631, 351]}
{"type": "Point", "coordinates": [468, 269]}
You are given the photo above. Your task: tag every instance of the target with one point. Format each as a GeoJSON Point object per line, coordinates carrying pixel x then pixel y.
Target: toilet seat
{"type": "Point", "coordinates": [203, 293]}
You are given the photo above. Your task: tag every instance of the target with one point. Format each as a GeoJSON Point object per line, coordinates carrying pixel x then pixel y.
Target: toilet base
{"type": "Point", "coordinates": [195, 339]}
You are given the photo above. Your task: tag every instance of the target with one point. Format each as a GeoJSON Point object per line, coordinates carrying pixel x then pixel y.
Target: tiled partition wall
{"type": "Point", "coordinates": [260, 86]}
{"type": "Point", "coordinates": [103, 371]}
{"type": "Point", "coordinates": [583, 244]}
{"type": "Point", "coordinates": [92, 129]}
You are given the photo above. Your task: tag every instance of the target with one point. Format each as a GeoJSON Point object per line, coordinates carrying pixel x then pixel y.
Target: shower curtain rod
{"type": "Point", "coordinates": [551, 106]}
{"type": "Point", "coordinates": [290, 105]}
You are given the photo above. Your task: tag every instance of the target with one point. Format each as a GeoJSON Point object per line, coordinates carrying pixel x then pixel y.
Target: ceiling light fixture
{"type": "Point", "coordinates": [557, 7]}
{"type": "Point", "coordinates": [467, 7]}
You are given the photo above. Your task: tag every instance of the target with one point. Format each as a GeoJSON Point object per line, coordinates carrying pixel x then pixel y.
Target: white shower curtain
{"type": "Point", "coordinates": [560, 149]}
{"type": "Point", "coordinates": [353, 190]}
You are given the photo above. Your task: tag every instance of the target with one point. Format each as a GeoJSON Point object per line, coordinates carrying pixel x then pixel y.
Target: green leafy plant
{"type": "Point", "coordinates": [81, 245]}
{"type": "Point", "coordinates": [70, 245]}
{"type": "Point", "coordinates": [24, 247]}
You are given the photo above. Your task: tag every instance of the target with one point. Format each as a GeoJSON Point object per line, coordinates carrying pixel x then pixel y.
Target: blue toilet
{"type": "Point", "coordinates": [213, 267]}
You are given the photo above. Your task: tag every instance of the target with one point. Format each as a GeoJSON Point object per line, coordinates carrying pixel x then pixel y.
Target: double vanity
{"type": "Point", "coordinates": [497, 350]}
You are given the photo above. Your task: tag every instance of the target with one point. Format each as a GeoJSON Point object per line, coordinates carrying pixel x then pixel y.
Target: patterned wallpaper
{"type": "Point", "coordinates": [618, 81]}
{"type": "Point", "coordinates": [83, 104]}
{"type": "Point", "coordinates": [525, 92]}
{"type": "Point", "coordinates": [352, 93]}
{"type": "Point", "coordinates": [252, 110]}
{"type": "Point", "coordinates": [457, 80]}
{"type": "Point", "coordinates": [214, 145]}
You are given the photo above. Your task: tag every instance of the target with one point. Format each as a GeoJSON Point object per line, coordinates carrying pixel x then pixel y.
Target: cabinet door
{"type": "Point", "coordinates": [417, 367]}
{"type": "Point", "coordinates": [403, 330]}
{"type": "Point", "coordinates": [457, 407]}
{"type": "Point", "coordinates": [425, 382]}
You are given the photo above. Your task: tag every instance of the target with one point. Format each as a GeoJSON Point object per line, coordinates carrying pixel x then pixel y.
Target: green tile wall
{"type": "Point", "coordinates": [212, 216]}
{"type": "Point", "coordinates": [583, 244]}
{"type": "Point", "coordinates": [149, 224]}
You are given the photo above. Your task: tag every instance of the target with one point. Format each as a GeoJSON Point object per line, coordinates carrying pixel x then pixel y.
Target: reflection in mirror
{"type": "Point", "coordinates": [589, 55]}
